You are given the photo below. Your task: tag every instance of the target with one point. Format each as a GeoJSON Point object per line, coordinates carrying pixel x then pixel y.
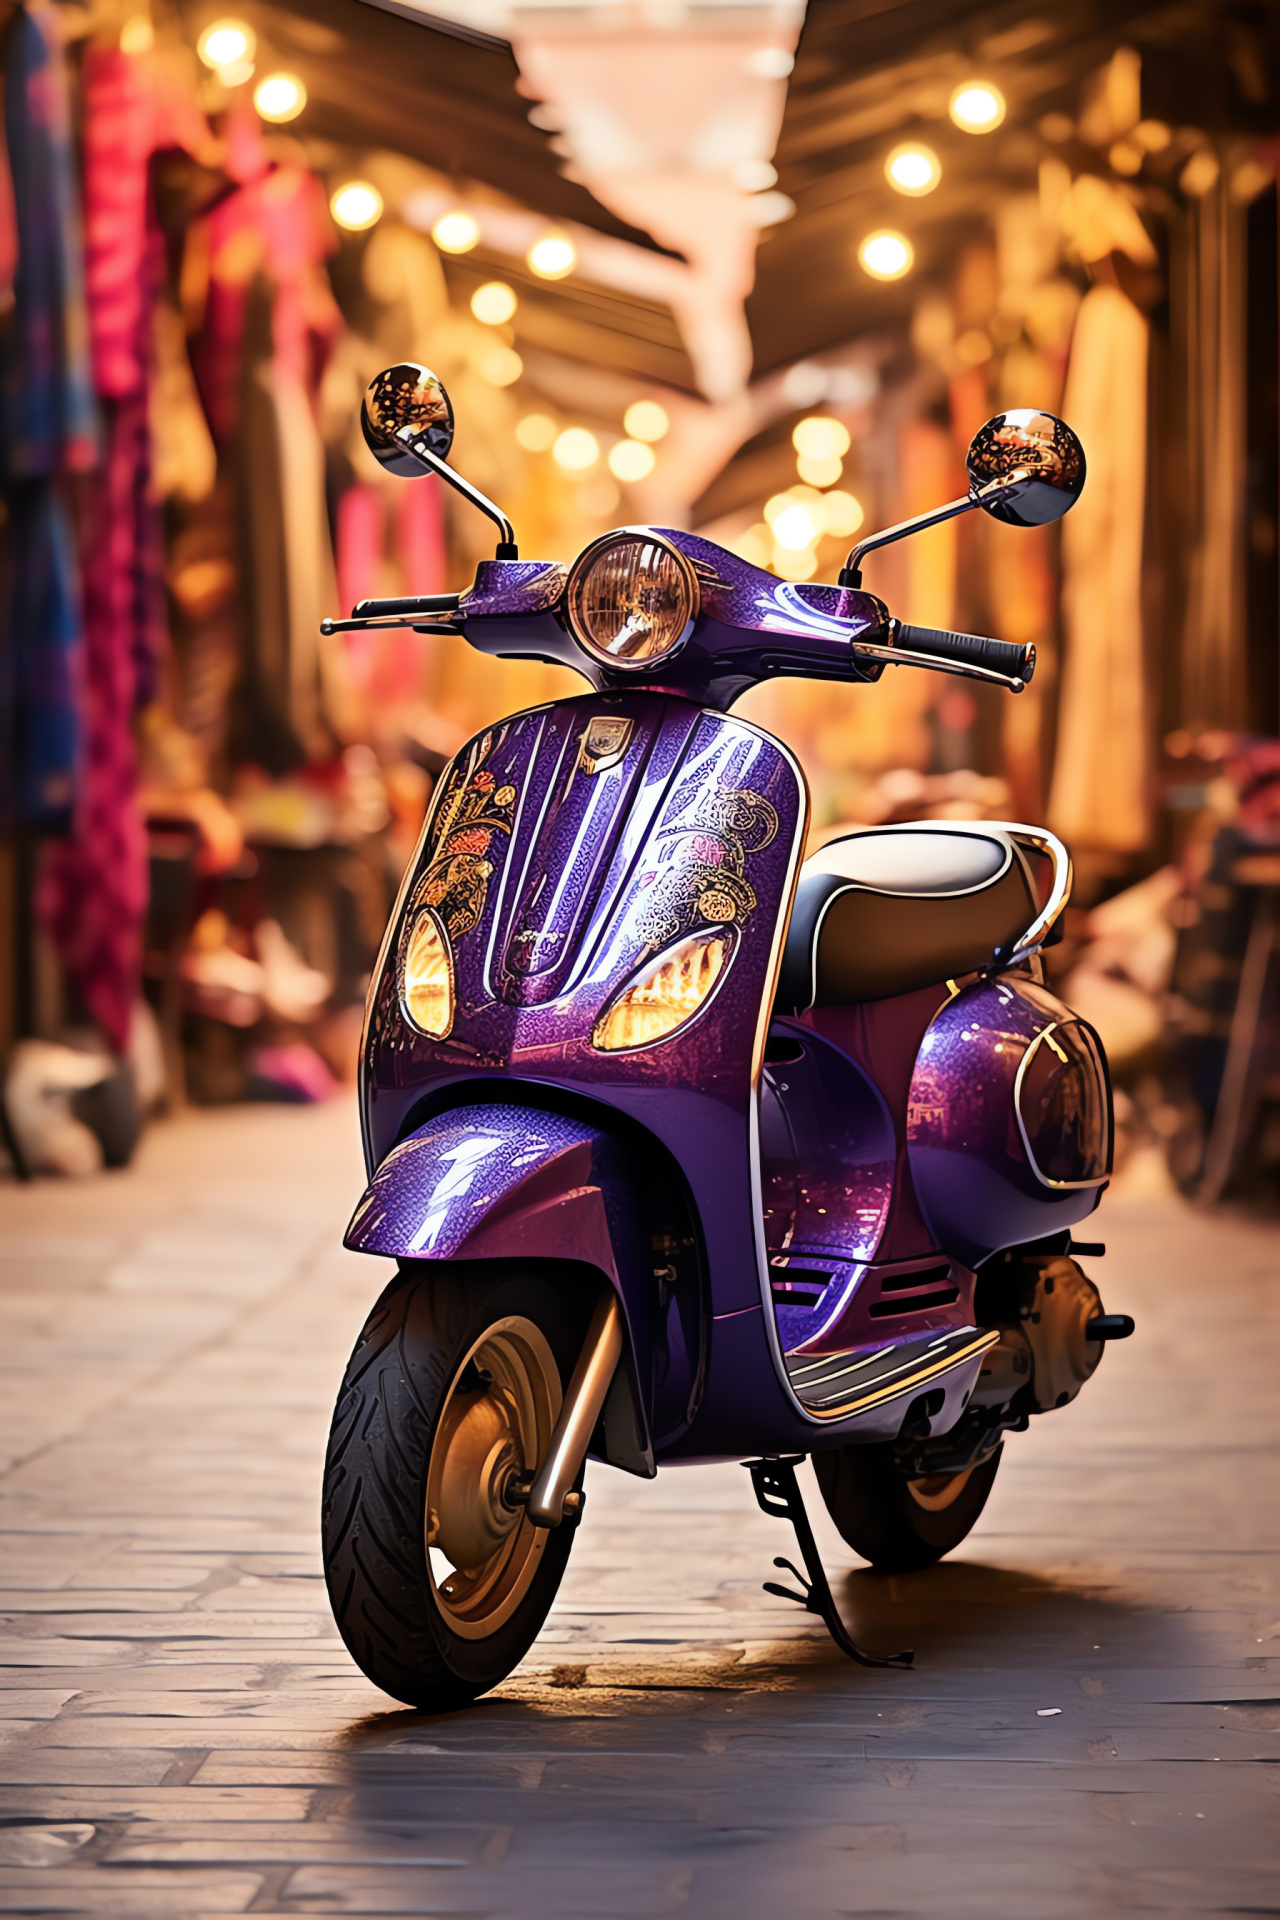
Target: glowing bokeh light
{"type": "Point", "coordinates": [226, 44]}
{"type": "Point", "coordinates": [501, 366]}
{"type": "Point", "coordinates": [552, 257]}
{"type": "Point", "coordinates": [913, 169]}
{"type": "Point", "coordinates": [456, 232]}
{"type": "Point", "coordinates": [576, 449]}
{"type": "Point", "coordinates": [646, 420]}
{"type": "Point", "coordinates": [536, 432]}
{"type": "Point", "coordinates": [494, 303]}
{"type": "Point", "coordinates": [280, 97]}
{"type": "Point", "coordinates": [886, 255]}
{"type": "Point", "coordinates": [357, 206]}
{"type": "Point", "coordinates": [977, 106]}
{"type": "Point", "coordinates": [631, 460]}
{"type": "Point", "coordinates": [820, 437]}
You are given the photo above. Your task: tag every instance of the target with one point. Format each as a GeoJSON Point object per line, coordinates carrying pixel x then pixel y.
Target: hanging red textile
{"type": "Point", "coordinates": [93, 889]}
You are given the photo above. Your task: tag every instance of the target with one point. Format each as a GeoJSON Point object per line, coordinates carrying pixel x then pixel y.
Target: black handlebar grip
{"type": "Point", "coordinates": [968, 649]}
{"type": "Point", "coordinates": [422, 603]}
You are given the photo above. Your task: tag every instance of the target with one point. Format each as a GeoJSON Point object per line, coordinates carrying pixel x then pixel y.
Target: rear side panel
{"type": "Point", "coordinates": [565, 847]}
{"type": "Point", "coordinates": [975, 1179]}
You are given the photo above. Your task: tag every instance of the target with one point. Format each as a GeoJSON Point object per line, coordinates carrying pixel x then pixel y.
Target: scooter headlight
{"type": "Point", "coordinates": [665, 994]}
{"type": "Point", "coordinates": [632, 598]}
{"type": "Point", "coordinates": [426, 976]}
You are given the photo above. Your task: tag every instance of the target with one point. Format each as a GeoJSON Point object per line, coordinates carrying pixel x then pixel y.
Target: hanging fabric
{"type": "Point", "coordinates": [93, 892]}
{"type": "Point", "coordinates": [1100, 793]}
{"type": "Point", "coordinates": [48, 430]}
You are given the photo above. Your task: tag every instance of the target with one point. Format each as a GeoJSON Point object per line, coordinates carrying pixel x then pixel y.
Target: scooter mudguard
{"type": "Point", "coordinates": [493, 1183]}
{"type": "Point", "coordinates": [501, 1182]}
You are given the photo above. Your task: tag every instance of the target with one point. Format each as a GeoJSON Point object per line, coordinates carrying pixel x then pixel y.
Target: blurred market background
{"type": "Point", "coordinates": [759, 271]}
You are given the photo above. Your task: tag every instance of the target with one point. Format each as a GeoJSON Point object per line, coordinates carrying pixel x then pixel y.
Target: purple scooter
{"type": "Point", "coordinates": [689, 1148]}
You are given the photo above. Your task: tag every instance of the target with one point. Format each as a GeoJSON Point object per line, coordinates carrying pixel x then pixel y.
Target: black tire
{"type": "Point", "coordinates": [880, 1514]}
{"type": "Point", "coordinates": [407, 1369]}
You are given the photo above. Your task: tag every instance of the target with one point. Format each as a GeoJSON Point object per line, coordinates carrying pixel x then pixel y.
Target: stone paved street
{"type": "Point", "coordinates": [1092, 1728]}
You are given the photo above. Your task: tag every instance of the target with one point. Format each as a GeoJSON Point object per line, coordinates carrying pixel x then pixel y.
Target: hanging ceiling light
{"type": "Point", "coordinates": [552, 257]}
{"type": "Point", "coordinates": [886, 255]}
{"type": "Point", "coordinates": [228, 47]}
{"type": "Point", "coordinates": [357, 206]}
{"type": "Point", "coordinates": [494, 303]}
{"type": "Point", "coordinates": [820, 437]}
{"type": "Point", "coordinates": [536, 432]}
{"type": "Point", "coordinates": [280, 97]}
{"type": "Point", "coordinates": [631, 460]}
{"type": "Point", "coordinates": [646, 420]}
{"type": "Point", "coordinates": [913, 169]}
{"type": "Point", "coordinates": [456, 232]}
{"type": "Point", "coordinates": [500, 366]}
{"type": "Point", "coordinates": [977, 106]}
{"type": "Point", "coordinates": [576, 449]}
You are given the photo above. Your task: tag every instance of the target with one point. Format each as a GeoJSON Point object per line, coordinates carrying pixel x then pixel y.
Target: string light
{"type": "Point", "coordinates": [977, 106]}
{"type": "Point", "coordinates": [357, 206]}
{"type": "Point", "coordinates": [456, 232]}
{"type": "Point", "coordinates": [552, 257]}
{"type": "Point", "coordinates": [646, 420]}
{"type": "Point", "coordinates": [576, 449]}
{"type": "Point", "coordinates": [280, 97]}
{"type": "Point", "coordinates": [820, 437]}
{"type": "Point", "coordinates": [886, 255]}
{"type": "Point", "coordinates": [536, 432]}
{"type": "Point", "coordinates": [843, 514]}
{"type": "Point", "coordinates": [227, 46]}
{"type": "Point", "coordinates": [913, 169]}
{"type": "Point", "coordinates": [501, 366]}
{"type": "Point", "coordinates": [494, 303]}
{"type": "Point", "coordinates": [137, 35]}
{"type": "Point", "coordinates": [631, 460]}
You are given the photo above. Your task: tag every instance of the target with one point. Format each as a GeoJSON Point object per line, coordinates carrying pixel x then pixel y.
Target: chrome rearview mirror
{"type": "Point", "coordinates": [1025, 467]}
{"type": "Point", "coordinates": [406, 396]}
{"type": "Point", "coordinates": [407, 423]}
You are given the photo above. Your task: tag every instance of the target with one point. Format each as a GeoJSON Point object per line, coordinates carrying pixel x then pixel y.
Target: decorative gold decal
{"type": "Point", "coordinates": [700, 877]}
{"type": "Point", "coordinates": [455, 882]}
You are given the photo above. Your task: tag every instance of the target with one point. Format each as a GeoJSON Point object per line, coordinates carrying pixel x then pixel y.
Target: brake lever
{"type": "Point", "coordinates": [907, 657]}
{"type": "Point", "coordinates": [420, 622]}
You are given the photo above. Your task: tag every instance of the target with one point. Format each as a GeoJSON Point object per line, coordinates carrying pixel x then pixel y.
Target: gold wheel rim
{"type": "Point", "coordinates": [939, 1491]}
{"type": "Point", "coordinates": [496, 1423]}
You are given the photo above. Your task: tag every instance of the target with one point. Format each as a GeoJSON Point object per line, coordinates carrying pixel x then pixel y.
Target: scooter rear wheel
{"type": "Point", "coordinates": [439, 1585]}
{"type": "Point", "coordinates": [899, 1525]}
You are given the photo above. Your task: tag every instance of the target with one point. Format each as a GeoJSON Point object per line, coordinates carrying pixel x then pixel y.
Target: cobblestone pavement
{"type": "Point", "coordinates": [1092, 1728]}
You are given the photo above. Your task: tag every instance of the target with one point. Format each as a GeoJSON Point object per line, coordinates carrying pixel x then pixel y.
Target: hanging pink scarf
{"type": "Point", "coordinates": [93, 893]}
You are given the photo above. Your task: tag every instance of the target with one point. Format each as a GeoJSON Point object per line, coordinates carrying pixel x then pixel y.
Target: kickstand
{"type": "Point", "coordinates": [778, 1493]}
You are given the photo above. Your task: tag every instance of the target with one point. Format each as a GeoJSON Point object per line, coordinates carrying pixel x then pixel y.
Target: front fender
{"type": "Point", "coordinates": [499, 1182]}
{"type": "Point", "coordinates": [493, 1183]}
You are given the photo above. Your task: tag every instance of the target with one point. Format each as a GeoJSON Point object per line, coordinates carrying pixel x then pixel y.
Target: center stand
{"type": "Point", "coordinates": [778, 1493]}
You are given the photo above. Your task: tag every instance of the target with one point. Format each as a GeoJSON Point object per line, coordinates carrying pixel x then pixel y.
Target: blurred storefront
{"type": "Point", "coordinates": [755, 270]}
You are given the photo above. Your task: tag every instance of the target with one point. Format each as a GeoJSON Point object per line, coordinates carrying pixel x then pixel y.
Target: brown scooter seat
{"type": "Point", "coordinates": [890, 909]}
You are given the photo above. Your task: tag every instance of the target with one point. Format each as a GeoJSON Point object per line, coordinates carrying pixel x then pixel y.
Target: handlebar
{"type": "Point", "coordinates": [896, 642]}
{"type": "Point", "coordinates": [395, 613]}
{"type": "Point", "coordinates": [418, 603]}
{"type": "Point", "coordinates": [968, 650]}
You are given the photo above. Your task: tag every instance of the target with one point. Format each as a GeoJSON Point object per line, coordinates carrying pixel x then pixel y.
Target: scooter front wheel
{"type": "Point", "coordinates": [899, 1525]}
{"type": "Point", "coordinates": [438, 1580]}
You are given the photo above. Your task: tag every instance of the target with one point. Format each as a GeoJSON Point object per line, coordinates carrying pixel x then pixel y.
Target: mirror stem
{"type": "Point", "coordinates": [851, 572]}
{"type": "Point", "coordinates": [419, 447]}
